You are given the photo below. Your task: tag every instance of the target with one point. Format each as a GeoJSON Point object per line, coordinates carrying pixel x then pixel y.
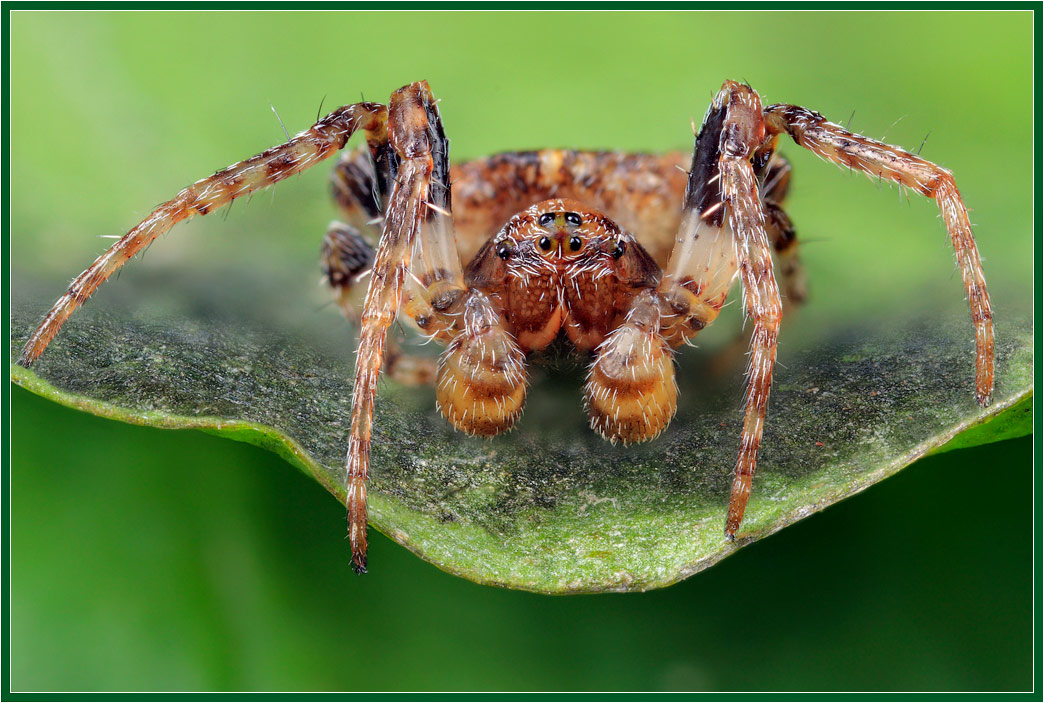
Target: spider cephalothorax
{"type": "Point", "coordinates": [625, 255]}
{"type": "Point", "coordinates": [560, 268]}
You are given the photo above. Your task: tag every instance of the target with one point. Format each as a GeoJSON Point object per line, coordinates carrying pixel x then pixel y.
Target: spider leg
{"type": "Point", "coordinates": [878, 160]}
{"type": "Point", "coordinates": [361, 181]}
{"type": "Point", "coordinates": [784, 243]}
{"type": "Point", "coordinates": [355, 187]}
{"type": "Point", "coordinates": [346, 258]}
{"type": "Point", "coordinates": [416, 248]}
{"type": "Point", "coordinates": [773, 173]}
{"type": "Point", "coordinates": [743, 132]}
{"type": "Point", "coordinates": [324, 138]}
{"type": "Point", "coordinates": [783, 237]}
{"type": "Point", "coordinates": [723, 234]}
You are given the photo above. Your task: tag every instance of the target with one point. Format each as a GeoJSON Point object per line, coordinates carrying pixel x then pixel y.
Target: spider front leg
{"type": "Point", "coordinates": [882, 161]}
{"type": "Point", "coordinates": [416, 248]}
{"type": "Point", "coordinates": [703, 263]}
{"type": "Point", "coordinates": [723, 234]}
{"type": "Point", "coordinates": [743, 132]}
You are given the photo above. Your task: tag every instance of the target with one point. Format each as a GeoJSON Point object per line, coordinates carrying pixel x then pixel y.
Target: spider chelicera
{"type": "Point", "coordinates": [625, 255]}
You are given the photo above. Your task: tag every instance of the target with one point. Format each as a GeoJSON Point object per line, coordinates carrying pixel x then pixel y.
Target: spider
{"type": "Point", "coordinates": [625, 256]}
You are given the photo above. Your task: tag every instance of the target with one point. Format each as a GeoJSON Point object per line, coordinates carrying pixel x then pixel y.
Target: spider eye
{"type": "Point", "coordinates": [546, 219]}
{"type": "Point", "coordinates": [575, 243]}
{"type": "Point", "coordinates": [545, 243]}
{"type": "Point", "coordinates": [573, 219]}
{"type": "Point", "coordinates": [621, 247]}
{"type": "Point", "coordinates": [503, 251]}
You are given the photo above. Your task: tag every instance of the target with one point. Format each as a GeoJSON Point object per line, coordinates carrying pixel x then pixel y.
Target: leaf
{"type": "Point", "coordinates": [549, 507]}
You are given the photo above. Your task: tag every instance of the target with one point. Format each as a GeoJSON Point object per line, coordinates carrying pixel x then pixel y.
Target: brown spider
{"type": "Point", "coordinates": [625, 255]}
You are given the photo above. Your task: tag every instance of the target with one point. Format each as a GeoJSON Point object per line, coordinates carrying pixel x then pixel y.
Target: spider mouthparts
{"type": "Point", "coordinates": [359, 568]}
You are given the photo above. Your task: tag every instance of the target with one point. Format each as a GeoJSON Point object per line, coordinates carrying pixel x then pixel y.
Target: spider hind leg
{"type": "Point", "coordinates": [877, 160]}
{"type": "Point", "coordinates": [205, 196]}
{"type": "Point", "coordinates": [355, 186]}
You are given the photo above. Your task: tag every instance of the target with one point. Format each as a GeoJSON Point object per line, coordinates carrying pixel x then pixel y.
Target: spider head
{"type": "Point", "coordinates": [562, 230]}
{"type": "Point", "coordinates": [562, 237]}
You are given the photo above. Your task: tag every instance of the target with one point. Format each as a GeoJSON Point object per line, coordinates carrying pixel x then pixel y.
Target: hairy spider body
{"type": "Point", "coordinates": [625, 255]}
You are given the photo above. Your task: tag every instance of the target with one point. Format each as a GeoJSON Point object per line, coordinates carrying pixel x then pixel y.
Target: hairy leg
{"type": "Point", "coordinates": [308, 148]}
{"type": "Point", "coordinates": [355, 187]}
{"type": "Point", "coordinates": [703, 264]}
{"type": "Point", "coordinates": [743, 132]}
{"type": "Point", "coordinates": [345, 258]}
{"type": "Point", "coordinates": [882, 161]}
{"type": "Point", "coordinates": [774, 184]}
{"type": "Point", "coordinates": [783, 237]}
{"type": "Point", "coordinates": [417, 198]}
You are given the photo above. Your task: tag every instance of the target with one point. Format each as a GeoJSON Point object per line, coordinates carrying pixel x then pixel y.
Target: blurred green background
{"type": "Point", "coordinates": [144, 559]}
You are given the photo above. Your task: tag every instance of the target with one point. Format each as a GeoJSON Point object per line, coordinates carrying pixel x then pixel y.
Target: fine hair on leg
{"type": "Point", "coordinates": [878, 160]}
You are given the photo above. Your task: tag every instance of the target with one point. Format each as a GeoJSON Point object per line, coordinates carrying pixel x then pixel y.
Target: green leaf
{"type": "Point", "coordinates": [549, 507]}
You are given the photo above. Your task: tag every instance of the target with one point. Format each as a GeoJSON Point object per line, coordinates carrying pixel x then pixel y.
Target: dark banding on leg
{"type": "Point", "coordinates": [308, 148]}
{"type": "Point", "coordinates": [883, 161]}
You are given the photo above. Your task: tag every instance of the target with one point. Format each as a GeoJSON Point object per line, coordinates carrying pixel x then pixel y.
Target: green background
{"type": "Point", "coordinates": [144, 559]}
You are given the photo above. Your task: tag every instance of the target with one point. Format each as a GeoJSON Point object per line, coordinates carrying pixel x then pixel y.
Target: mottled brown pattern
{"type": "Point", "coordinates": [641, 193]}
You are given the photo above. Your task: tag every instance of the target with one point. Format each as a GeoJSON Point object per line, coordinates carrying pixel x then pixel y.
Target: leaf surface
{"type": "Point", "coordinates": [549, 507]}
